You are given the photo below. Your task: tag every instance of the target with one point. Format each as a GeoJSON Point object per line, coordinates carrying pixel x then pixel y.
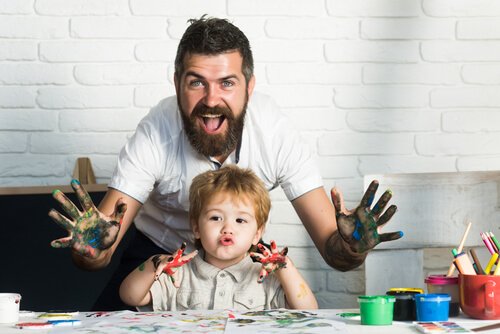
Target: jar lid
{"type": "Point", "coordinates": [441, 280]}
{"type": "Point", "coordinates": [393, 291]}
{"type": "Point", "coordinates": [382, 299]}
{"type": "Point", "coordinates": [433, 297]}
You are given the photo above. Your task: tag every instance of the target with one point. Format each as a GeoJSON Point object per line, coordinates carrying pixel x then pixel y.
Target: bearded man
{"type": "Point", "coordinates": [215, 119]}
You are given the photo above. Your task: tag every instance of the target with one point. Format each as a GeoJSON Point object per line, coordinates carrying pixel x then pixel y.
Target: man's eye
{"type": "Point", "coordinates": [227, 83]}
{"type": "Point", "coordinates": [195, 83]}
{"type": "Point", "coordinates": [240, 220]}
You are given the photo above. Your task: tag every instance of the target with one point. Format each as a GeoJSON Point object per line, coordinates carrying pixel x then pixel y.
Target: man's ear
{"type": "Point", "coordinates": [251, 86]}
{"type": "Point", "coordinates": [176, 83]}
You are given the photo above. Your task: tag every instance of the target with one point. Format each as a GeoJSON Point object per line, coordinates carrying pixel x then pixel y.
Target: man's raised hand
{"type": "Point", "coordinates": [360, 227]}
{"type": "Point", "coordinates": [89, 230]}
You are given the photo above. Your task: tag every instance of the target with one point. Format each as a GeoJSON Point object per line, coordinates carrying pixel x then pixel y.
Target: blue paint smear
{"type": "Point", "coordinates": [357, 234]}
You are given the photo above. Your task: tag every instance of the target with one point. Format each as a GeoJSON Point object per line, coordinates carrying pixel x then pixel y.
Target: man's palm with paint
{"type": "Point", "coordinates": [359, 227]}
{"type": "Point", "coordinates": [89, 230]}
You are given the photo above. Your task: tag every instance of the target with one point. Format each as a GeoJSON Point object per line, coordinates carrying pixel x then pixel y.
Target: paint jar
{"type": "Point", "coordinates": [444, 284]}
{"type": "Point", "coordinates": [432, 306]}
{"type": "Point", "coordinates": [376, 310]}
{"type": "Point", "coordinates": [404, 308]}
{"type": "Point", "coordinates": [9, 307]}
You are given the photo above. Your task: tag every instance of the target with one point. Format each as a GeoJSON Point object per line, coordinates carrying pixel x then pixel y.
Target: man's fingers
{"type": "Point", "coordinates": [61, 220]}
{"type": "Point", "coordinates": [62, 242]}
{"type": "Point", "coordinates": [382, 202]}
{"type": "Point", "coordinates": [82, 195]}
{"type": "Point", "coordinates": [369, 195]}
{"type": "Point", "coordinates": [387, 215]}
{"type": "Point", "coordinates": [66, 204]}
{"type": "Point", "coordinates": [390, 236]}
{"type": "Point", "coordinates": [337, 200]}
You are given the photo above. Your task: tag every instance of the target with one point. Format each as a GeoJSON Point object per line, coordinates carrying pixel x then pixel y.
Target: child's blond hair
{"type": "Point", "coordinates": [239, 182]}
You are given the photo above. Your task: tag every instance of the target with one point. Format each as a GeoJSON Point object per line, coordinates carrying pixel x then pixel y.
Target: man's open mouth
{"type": "Point", "coordinates": [212, 123]}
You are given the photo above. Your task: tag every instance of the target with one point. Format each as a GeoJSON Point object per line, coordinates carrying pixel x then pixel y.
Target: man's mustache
{"type": "Point", "coordinates": [201, 109]}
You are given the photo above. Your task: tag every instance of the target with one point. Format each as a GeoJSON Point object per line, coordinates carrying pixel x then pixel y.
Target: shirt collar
{"type": "Point", "coordinates": [238, 271]}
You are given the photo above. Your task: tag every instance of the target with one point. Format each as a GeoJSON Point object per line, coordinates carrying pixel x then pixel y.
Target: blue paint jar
{"type": "Point", "coordinates": [432, 306]}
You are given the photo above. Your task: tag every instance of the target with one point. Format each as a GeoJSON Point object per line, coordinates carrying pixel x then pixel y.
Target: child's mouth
{"type": "Point", "coordinates": [226, 241]}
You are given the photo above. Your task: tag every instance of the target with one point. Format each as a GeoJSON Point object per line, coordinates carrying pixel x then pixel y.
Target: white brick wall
{"type": "Point", "coordinates": [376, 86]}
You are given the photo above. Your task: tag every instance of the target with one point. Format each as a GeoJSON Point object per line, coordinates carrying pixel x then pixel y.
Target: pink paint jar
{"type": "Point", "coordinates": [444, 284]}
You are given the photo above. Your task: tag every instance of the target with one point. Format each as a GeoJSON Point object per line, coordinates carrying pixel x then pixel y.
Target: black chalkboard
{"type": "Point", "coordinates": [45, 277]}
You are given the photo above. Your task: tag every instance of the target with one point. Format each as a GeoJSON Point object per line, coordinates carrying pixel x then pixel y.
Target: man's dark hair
{"type": "Point", "coordinates": [213, 36]}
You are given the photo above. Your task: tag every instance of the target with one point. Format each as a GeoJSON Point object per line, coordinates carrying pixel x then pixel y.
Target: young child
{"type": "Point", "coordinates": [228, 211]}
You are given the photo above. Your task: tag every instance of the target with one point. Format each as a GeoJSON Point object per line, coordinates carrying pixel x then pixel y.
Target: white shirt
{"type": "Point", "coordinates": [157, 165]}
{"type": "Point", "coordinates": [205, 287]}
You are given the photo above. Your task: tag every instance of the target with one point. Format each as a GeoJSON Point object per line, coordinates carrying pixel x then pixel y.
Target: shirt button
{"type": "Point", "coordinates": [221, 293]}
{"type": "Point", "coordinates": [222, 275]}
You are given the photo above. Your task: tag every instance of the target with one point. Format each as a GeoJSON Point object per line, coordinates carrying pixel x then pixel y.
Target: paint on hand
{"type": "Point", "coordinates": [357, 230]}
{"type": "Point", "coordinates": [303, 291]}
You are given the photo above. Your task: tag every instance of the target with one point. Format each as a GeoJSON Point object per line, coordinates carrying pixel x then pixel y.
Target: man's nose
{"type": "Point", "coordinates": [212, 96]}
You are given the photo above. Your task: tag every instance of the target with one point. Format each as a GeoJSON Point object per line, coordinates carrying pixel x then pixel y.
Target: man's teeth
{"type": "Point", "coordinates": [211, 116]}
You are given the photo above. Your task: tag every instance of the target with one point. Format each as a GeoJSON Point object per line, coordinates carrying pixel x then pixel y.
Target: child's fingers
{"type": "Point", "coordinates": [257, 256]}
{"type": "Point", "coordinates": [186, 258]}
{"type": "Point", "coordinates": [284, 251]}
{"type": "Point", "coordinates": [274, 248]}
{"type": "Point", "coordinates": [262, 275]}
{"type": "Point", "coordinates": [263, 249]}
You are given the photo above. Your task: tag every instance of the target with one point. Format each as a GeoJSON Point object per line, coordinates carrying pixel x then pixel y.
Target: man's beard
{"type": "Point", "coordinates": [213, 145]}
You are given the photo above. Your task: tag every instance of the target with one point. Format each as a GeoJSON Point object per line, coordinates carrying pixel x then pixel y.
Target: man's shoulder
{"type": "Point", "coordinates": [165, 107]}
{"type": "Point", "coordinates": [164, 113]}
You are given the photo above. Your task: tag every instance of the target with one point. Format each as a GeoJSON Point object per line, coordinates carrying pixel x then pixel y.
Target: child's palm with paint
{"type": "Point", "coordinates": [359, 227]}
{"type": "Point", "coordinates": [90, 231]}
{"type": "Point", "coordinates": [271, 259]}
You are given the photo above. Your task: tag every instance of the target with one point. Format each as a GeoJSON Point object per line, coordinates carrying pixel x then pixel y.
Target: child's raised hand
{"type": "Point", "coordinates": [169, 263]}
{"type": "Point", "coordinates": [89, 230]}
{"type": "Point", "coordinates": [271, 260]}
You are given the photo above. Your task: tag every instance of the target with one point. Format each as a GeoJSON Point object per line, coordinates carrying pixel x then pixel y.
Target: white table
{"type": "Point", "coordinates": [215, 322]}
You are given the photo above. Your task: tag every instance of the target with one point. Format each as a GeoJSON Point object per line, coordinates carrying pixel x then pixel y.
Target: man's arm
{"type": "Point", "coordinates": [107, 207]}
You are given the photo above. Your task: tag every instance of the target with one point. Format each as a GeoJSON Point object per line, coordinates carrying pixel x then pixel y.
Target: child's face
{"type": "Point", "coordinates": [227, 228]}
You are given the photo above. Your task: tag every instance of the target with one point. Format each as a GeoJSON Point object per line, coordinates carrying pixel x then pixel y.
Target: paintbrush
{"type": "Point", "coordinates": [459, 249]}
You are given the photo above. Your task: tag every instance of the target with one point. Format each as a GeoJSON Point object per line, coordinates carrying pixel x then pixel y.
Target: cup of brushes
{"type": "Point", "coordinates": [479, 289]}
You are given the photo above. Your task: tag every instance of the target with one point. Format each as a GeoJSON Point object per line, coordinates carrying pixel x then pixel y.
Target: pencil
{"type": "Point", "coordinates": [487, 243]}
{"type": "Point", "coordinates": [491, 263]}
{"type": "Point", "coordinates": [477, 264]}
{"type": "Point", "coordinates": [495, 241]}
{"type": "Point", "coordinates": [459, 248]}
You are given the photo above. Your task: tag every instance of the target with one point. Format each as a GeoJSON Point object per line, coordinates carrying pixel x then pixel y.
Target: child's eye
{"type": "Point", "coordinates": [240, 220]}
{"type": "Point", "coordinates": [216, 218]}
